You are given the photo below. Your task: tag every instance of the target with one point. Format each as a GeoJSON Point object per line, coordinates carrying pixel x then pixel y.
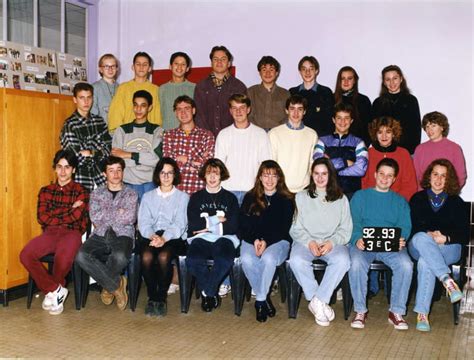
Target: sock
{"type": "Point", "coordinates": [444, 278]}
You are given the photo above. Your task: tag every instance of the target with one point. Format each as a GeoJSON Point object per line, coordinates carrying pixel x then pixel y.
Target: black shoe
{"type": "Point", "coordinates": [262, 311]}
{"type": "Point", "coordinates": [371, 294]}
{"type": "Point", "coordinates": [271, 311]}
{"type": "Point", "coordinates": [150, 308]}
{"type": "Point", "coordinates": [215, 301]}
{"type": "Point", "coordinates": [205, 303]}
{"type": "Point", "coordinates": [161, 308]}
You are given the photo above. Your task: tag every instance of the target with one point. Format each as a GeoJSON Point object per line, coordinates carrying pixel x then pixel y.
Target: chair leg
{"type": "Point", "coordinates": [185, 280]}
{"type": "Point", "coordinates": [238, 284]}
{"type": "Point", "coordinates": [134, 279]}
{"type": "Point", "coordinates": [294, 292]}
{"type": "Point", "coordinates": [77, 278]}
{"type": "Point", "coordinates": [388, 286]}
{"type": "Point", "coordinates": [346, 296]}
{"type": "Point", "coordinates": [282, 282]}
{"type": "Point", "coordinates": [29, 292]}
{"type": "Point", "coordinates": [84, 288]}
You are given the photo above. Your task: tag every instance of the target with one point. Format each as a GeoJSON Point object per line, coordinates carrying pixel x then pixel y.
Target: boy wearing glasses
{"type": "Point", "coordinates": [105, 88]}
{"type": "Point", "coordinates": [139, 144]}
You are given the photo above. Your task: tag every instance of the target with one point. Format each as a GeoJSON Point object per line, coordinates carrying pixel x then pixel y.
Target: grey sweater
{"type": "Point", "coordinates": [103, 94]}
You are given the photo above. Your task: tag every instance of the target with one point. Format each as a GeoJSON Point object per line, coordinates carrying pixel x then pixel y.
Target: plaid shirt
{"type": "Point", "coordinates": [198, 146]}
{"type": "Point", "coordinates": [55, 206]}
{"type": "Point", "coordinates": [87, 133]}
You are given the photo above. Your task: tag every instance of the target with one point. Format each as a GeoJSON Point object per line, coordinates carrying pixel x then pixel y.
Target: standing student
{"type": "Point", "coordinates": [212, 93]}
{"type": "Point", "coordinates": [180, 63]}
{"type": "Point", "coordinates": [268, 99]}
{"type": "Point", "coordinates": [106, 87]}
{"type": "Point", "coordinates": [62, 214]}
{"type": "Point", "coordinates": [86, 135]}
{"type": "Point", "coordinates": [319, 98]}
{"type": "Point", "coordinates": [347, 91]}
{"type": "Point", "coordinates": [321, 230]}
{"type": "Point", "coordinates": [265, 219]}
{"type": "Point", "coordinates": [139, 143]}
{"type": "Point", "coordinates": [395, 100]}
{"type": "Point", "coordinates": [121, 109]}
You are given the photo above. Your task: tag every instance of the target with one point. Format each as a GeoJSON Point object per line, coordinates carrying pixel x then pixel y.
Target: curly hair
{"type": "Point", "coordinates": [388, 122]}
{"type": "Point", "coordinates": [451, 186]}
{"type": "Point", "coordinates": [435, 117]}
{"type": "Point", "coordinates": [333, 190]}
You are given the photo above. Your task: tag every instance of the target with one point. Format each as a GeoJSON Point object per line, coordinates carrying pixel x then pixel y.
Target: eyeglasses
{"type": "Point", "coordinates": [109, 67]}
{"type": "Point", "coordinates": [166, 174]}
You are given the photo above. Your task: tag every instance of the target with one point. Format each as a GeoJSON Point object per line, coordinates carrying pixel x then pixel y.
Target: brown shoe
{"type": "Point", "coordinates": [106, 297]}
{"type": "Point", "coordinates": [121, 294]}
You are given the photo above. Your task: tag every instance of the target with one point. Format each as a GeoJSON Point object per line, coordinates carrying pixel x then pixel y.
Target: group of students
{"type": "Point", "coordinates": [210, 188]}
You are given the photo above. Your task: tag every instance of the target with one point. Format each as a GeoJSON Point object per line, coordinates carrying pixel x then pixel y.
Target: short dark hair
{"type": "Point", "coordinates": [221, 48]}
{"type": "Point", "coordinates": [159, 167]}
{"type": "Point", "coordinates": [184, 98]}
{"type": "Point", "coordinates": [82, 86]}
{"type": "Point", "coordinates": [144, 95]}
{"type": "Point", "coordinates": [145, 55]}
{"type": "Point", "coordinates": [435, 117]}
{"type": "Point", "coordinates": [343, 107]}
{"type": "Point", "coordinates": [215, 164]}
{"type": "Point", "coordinates": [67, 155]}
{"type": "Point", "coordinates": [240, 99]}
{"type": "Point", "coordinates": [311, 59]}
{"type": "Point", "coordinates": [183, 55]}
{"type": "Point", "coordinates": [296, 99]}
{"type": "Point", "coordinates": [111, 160]}
{"type": "Point", "coordinates": [269, 60]}
{"type": "Point", "coordinates": [390, 163]}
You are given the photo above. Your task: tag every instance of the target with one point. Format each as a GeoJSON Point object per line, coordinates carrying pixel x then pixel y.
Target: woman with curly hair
{"type": "Point", "coordinates": [265, 220]}
{"type": "Point", "coordinates": [385, 133]}
{"type": "Point", "coordinates": [322, 228]}
{"type": "Point", "coordinates": [439, 234]}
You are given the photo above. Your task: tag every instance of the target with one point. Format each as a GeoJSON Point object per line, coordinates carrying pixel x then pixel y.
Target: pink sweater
{"type": "Point", "coordinates": [444, 149]}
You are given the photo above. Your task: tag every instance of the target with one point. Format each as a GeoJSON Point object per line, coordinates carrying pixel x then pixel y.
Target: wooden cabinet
{"type": "Point", "coordinates": [30, 123]}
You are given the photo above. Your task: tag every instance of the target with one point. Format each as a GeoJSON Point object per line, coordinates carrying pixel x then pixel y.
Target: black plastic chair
{"type": "Point", "coordinates": [76, 273]}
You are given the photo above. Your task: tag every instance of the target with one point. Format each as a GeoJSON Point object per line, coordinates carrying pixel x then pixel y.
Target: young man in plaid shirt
{"type": "Point", "coordinates": [87, 136]}
{"type": "Point", "coordinates": [62, 213]}
{"type": "Point", "coordinates": [190, 146]}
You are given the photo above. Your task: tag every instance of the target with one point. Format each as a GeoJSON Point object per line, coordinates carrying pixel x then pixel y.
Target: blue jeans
{"type": "Point", "coordinates": [260, 270]}
{"type": "Point", "coordinates": [141, 188]}
{"type": "Point", "coordinates": [402, 270]}
{"type": "Point", "coordinates": [433, 261]}
{"type": "Point", "coordinates": [199, 251]}
{"type": "Point", "coordinates": [239, 195]}
{"type": "Point", "coordinates": [301, 260]}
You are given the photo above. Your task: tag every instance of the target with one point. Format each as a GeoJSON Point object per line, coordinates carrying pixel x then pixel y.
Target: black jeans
{"type": "Point", "coordinates": [157, 270]}
{"type": "Point", "coordinates": [222, 252]}
{"type": "Point", "coordinates": [104, 258]}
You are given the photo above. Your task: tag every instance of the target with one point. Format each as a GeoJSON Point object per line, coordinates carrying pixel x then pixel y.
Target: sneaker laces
{"type": "Point", "coordinates": [359, 317]}
{"type": "Point", "coordinates": [422, 318]}
{"type": "Point", "coordinates": [451, 286]}
{"type": "Point", "coordinates": [398, 317]}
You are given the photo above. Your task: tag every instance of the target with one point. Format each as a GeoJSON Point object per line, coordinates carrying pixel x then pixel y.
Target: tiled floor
{"type": "Point", "coordinates": [99, 331]}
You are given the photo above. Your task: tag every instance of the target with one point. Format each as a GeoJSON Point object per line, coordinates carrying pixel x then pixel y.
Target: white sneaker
{"type": "Point", "coordinates": [224, 290]}
{"type": "Point", "coordinates": [48, 301]}
{"type": "Point", "coordinates": [339, 296]}
{"type": "Point", "coordinates": [316, 307]}
{"type": "Point", "coordinates": [173, 289]}
{"type": "Point", "coordinates": [329, 312]}
{"type": "Point", "coordinates": [59, 297]}
{"type": "Point", "coordinates": [252, 294]}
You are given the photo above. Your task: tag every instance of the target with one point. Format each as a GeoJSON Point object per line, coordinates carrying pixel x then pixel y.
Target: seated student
{"type": "Point", "coordinates": [440, 233]}
{"type": "Point", "coordinates": [180, 63]}
{"type": "Point", "coordinates": [105, 88]}
{"type": "Point", "coordinates": [347, 152]}
{"type": "Point", "coordinates": [385, 133]}
{"type": "Point", "coordinates": [322, 228]}
{"type": "Point", "coordinates": [113, 212]}
{"type": "Point", "coordinates": [139, 144]}
{"type": "Point", "coordinates": [162, 223]}
{"type": "Point", "coordinates": [268, 99]}
{"type": "Point", "coordinates": [293, 143]}
{"type": "Point", "coordinates": [265, 219]}
{"type": "Point", "coordinates": [436, 126]}
{"type": "Point", "coordinates": [320, 98]}
{"type": "Point", "coordinates": [62, 214]}
{"type": "Point", "coordinates": [190, 146]}
{"type": "Point", "coordinates": [121, 109]}
{"type": "Point", "coordinates": [242, 147]}
{"type": "Point", "coordinates": [380, 207]}
{"type": "Point", "coordinates": [213, 215]}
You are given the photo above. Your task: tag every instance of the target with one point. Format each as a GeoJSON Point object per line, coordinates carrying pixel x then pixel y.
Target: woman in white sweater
{"type": "Point", "coordinates": [322, 228]}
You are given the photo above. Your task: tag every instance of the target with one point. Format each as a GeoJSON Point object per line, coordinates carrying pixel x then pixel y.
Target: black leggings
{"type": "Point", "coordinates": [157, 270]}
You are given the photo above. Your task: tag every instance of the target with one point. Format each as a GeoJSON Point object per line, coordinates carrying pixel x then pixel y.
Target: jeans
{"type": "Point", "coordinates": [402, 269]}
{"type": "Point", "coordinates": [61, 241]}
{"type": "Point", "coordinates": [260, 270]}
{"type": "Point", "coordinates": [104, 258]}
{"type": "Point", "coordinates": [222, 252]}
{"type": "Point", "coordinates": [141, 188]}
{"type": "Point", "coordinates": [338, 263]}
{"type": "Point", "coordinates": [433, 261]}
{"type": "Point", "coordinates": [239, 195]}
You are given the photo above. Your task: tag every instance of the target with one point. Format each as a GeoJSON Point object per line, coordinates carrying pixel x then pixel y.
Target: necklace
{"type": "Point", "coordinates": [269, 199]}
{"type": "Point", "coordinates": [111, 92]}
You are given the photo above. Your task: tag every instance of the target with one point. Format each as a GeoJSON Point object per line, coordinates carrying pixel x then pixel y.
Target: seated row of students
{"type": "Point", "coordinates": [209, 224]}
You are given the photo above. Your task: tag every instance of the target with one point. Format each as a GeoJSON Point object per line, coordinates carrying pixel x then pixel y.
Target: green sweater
{"type": "Point", "coordinates": [320, 220]}
{"type": "Point", "coordinates": [168, 94]}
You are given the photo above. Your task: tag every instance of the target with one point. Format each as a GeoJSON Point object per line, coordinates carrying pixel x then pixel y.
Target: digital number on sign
{"type": "Point", "coordinates": [381, 239]}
